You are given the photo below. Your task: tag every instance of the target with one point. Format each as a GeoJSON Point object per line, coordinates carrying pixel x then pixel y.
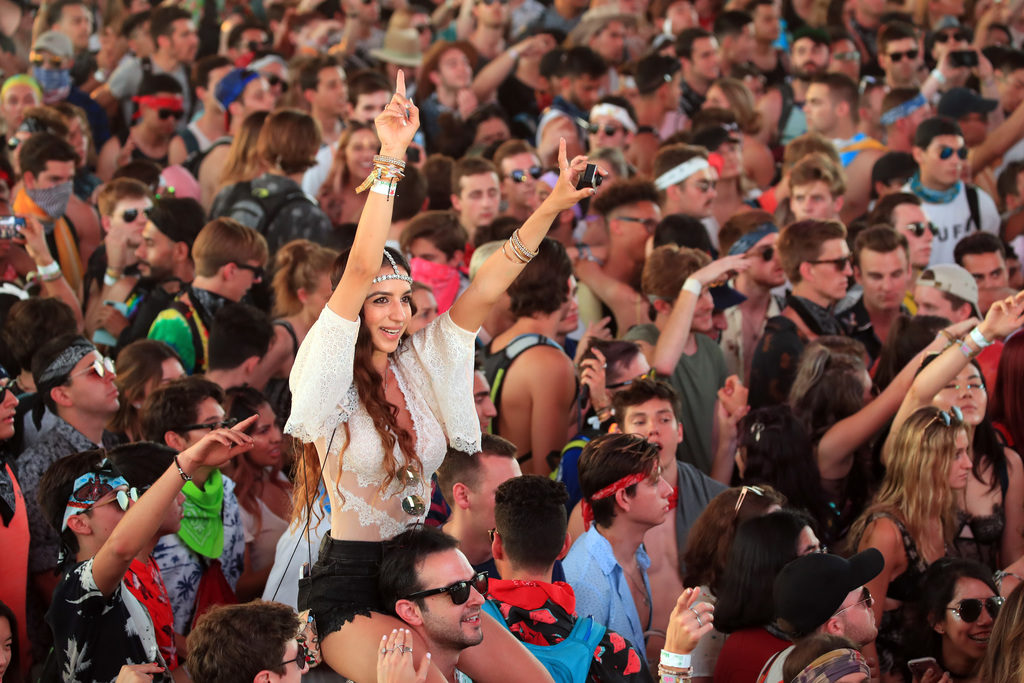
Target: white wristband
{"type": "Point", "coordinates": [385, 188]}
{"type": "Point", "coordinates": [49, 270]}
{"type": "Point", "coordinates": [693, 286]}
{"type": "Point", "coordinates": [675, 660]}
{"type": "Point", "coordinates": [938, 75]}
{"type": "Point", "coordinates": [513, 53]}
{"type": "Point", "coordinates": [978, 338]}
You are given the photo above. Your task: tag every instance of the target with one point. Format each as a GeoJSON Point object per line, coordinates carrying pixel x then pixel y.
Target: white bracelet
{"type": "Point", "coordinates": [384, 188]}
{"type": "Point", "coordinates": [675, 660]}
{"type": "Point", "coordinates": [693, 286]}
{"type": "Point", "coordinates": [978, 338]}
{"type": "Point", "coordinates": [513, 53]}
{"type": "Point", "coordinates": [49, 270]}
{"type": "Point", "coordinates": [109, 281]}
{"type": "Point", "coordinates": [938, 75]}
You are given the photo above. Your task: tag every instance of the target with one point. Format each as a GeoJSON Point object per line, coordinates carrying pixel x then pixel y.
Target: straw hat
{"type": "Point", "coordinates": [401, 47]}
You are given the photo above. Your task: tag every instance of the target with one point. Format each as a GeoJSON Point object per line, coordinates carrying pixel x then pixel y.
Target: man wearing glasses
{"type": "Point", "coordinates": [229, 260]}
{"type": "Point", "coordinates": [179, 415]}
{"type": "Point", "coordinates": [955, 208]}
{"type": "Point", "coordinates": [822, 593]}
{"type": "Point", "coordinates": [428, 583]}
{"type": "Point", "coordinates": [75, 383]}
{"type": "Point", "coordinates": [816, 259]}
{"type": "Point", "coordinates": [519, 168]}
{"type": "Point", "coordinates": [254, 642]}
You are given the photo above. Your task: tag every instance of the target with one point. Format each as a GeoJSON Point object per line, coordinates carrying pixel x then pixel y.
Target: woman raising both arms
{"type": "Point", "coordinates": [376, 412]}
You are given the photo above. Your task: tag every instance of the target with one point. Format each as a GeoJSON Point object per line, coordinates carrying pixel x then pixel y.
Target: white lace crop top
{"type": "Point", "coordinates": [434, 369]}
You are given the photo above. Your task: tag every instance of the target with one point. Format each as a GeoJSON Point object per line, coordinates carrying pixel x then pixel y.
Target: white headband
{"type": "Point", "coordinates": [681, 172]}
{"type": "Point", "coordinates": [616, 112]}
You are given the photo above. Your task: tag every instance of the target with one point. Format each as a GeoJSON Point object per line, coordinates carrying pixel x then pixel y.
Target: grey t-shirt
{"type": "Point", "coordinates": [696, 379]}
{"type": "Point", "coordinates": [127, 77]}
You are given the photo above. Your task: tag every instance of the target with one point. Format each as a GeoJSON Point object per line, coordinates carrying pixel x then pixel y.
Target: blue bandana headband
{"type": "Point", "coordinates": [902, 111]}
{"type": "Point", "coordinates": [743, 244]}
{"type": "Point", "coordinates": [89, 488]}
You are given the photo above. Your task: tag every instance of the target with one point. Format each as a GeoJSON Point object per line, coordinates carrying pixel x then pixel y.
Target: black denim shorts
{"type": "Point", "coordinates": [342, 583]}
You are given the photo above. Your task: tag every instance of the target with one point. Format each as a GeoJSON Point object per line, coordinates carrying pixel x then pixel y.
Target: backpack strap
{"type": "Point", "coordinates": [191, 142]}
{"type": "Point", "coordinates": [498, 364]}
{"type": "Point", "coordinates": [972, 204]}
{"type": "Point", "coordinates": [198, 347]}
{"type": "Point", "coordinates": [276, 205]}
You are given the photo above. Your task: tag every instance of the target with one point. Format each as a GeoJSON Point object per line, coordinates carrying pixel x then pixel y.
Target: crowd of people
{"type": "Point", "coordinates": [277, 280]}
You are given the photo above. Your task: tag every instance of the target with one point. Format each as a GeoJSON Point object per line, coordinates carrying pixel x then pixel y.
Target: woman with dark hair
{"type": "Point", "coordinates": [142, 366]}
{"type": "Point", "coordinates": [707, 552]}
{"type": "Point", "coordinates": [264, 493]}
{"type": "Point", "coordinates": [1006, 403]}
{"type": "Point", "coordinates": [907, 337]}
{"type": "Point", "coordinates": [9, 646]}
{"type": "Point", "coordinates": [745, 608]}
{"type": "Point", "coordinates": [375, 413]}
{"type": "Point", "coordinates": [772, 447]}
{"type": "Point", "coordinates": [953, 620]}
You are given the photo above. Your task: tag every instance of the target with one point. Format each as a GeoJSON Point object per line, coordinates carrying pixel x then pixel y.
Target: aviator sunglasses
{"type": "Point", "coordinates": [946, 152]}
{"type": "Point", "coordinates": [969, 609]}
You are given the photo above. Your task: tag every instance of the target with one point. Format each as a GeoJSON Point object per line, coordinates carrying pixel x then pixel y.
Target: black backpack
{"type": "Point", "coordinates": [257, 207]}
{"type": "Point", "coordinates": [195, 157]}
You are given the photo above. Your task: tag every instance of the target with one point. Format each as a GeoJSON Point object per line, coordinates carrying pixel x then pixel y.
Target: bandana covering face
{"type": "Point", "coordinates": [608, 492]}
{"type": "Point", "coordinates": [441, 277]}
{"type": "Point", "coordinates": [52, 200]}
{"type": "Point", "coordinates": [56, 83]}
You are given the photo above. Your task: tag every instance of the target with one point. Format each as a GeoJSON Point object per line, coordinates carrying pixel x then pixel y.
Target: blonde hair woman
{"type": "Point", "coordinates": [1002, 662]}
{"type": "Point", "coordinates": [911, 518]}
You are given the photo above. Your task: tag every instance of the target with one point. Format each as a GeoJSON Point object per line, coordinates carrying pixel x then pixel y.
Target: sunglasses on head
{"type": "Point", "coordinates": [920, 227]}
{"type": "Point", "coordinates": [520, 175]}
{"type": "Point", "coordinates": [458, 591]}
{"type": "Point", "coordinates": [165, 113]}
{"type": "Point", "coordinates": [130, 215]}
{"type": "Point", "coordinates": [947, 418]}
{"type": "Point", "coordinates": [756, 490]}
{"type": "Point", "coordinates": [840, 263]}
{"type": "Point", "coordinates": [946, 152]}
{"type": "Point", "coordinates": [227, 423]}
{"type": "Point", "coordinates": [101, 367]}
{"type": "Point", "coordinates": [955, 35]}
{"type": "Point", "coordinates": [898, 56]}
{"type": "Point", "coordinates": [969, 609]}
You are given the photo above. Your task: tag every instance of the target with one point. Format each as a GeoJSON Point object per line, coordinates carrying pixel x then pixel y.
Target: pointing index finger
{"type": "Point", "coordinates": [400, 83]}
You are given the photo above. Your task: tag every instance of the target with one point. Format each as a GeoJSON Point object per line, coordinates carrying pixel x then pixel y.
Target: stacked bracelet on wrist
{"type": "Point", "coordinates": [520, 251]}
{"type": "Point", "coordinates": [673, 667]}
{"type": "Point", "coordinates": [386, 173]}
{"type": "Point", "coordinates": [978, 338]}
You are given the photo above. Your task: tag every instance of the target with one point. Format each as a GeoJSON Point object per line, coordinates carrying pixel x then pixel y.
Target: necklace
{"type": "Point", "coordinates": [644, 597]}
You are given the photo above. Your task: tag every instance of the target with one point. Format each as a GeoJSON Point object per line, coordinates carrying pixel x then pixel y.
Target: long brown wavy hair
{"type": "Point", "coordinates": [370, 387]}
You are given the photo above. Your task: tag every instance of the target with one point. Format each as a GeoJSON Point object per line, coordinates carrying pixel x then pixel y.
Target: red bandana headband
{"type": "Point", "coordinates": [158, 102]}
{"type": "Point", "coordinates": [608, 492]}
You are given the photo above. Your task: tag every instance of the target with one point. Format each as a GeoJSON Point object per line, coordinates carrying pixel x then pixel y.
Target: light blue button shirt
{"type": "Point", "coordinates": [602, 589]}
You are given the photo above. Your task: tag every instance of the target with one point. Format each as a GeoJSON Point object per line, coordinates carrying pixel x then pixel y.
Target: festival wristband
{"type": "Point", "coordinates": [693, 286]}
{"type": "Point", "coordinates": [675, 660]}
{"type": "Point", "coordinates": [978, 338]}
{"type": "Point", "coordinates": [386, 189]}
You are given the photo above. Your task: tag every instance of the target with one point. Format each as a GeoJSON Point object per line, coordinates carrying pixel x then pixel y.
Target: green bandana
{"type": "Point", "coordinates": [202, 528]}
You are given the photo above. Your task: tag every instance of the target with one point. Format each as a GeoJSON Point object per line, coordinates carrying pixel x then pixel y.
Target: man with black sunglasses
{"type": "Point", "coordinates": [899, 54]}
{"type": "Point", "coordinates": [955, 208]}
{"type": "Point", "coordinates": [428, 583]}
{"type": "Point", "coordinates": [159, 108]}
{"type": "Point", "coordinates": [519, 168]}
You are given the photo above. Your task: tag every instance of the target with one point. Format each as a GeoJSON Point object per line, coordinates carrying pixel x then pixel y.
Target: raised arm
{"type": "Point", "coordinates": [677, 330]}
{"type": "Point", "coordinates": [1003, 318]}
{"type": "Point", "coordinates": [498, 271]}
{"type": "Point", "coordinates": [395, 127]}
{"type": "Point", "coordinates": [840, 442]}
{"type": "Point", "coordinates": [143, 519]}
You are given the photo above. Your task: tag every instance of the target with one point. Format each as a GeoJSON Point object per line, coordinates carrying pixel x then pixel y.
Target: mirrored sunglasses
{"type": "Point", "coordinates": [946, 152]}
{"type": "Point", "coordinates": [101, 366]}
{"type": "Point", "coordinates": [123, 499]}
{"type": "Point", "coordinates": [521, 176]}
{"type": "Point", "coordinates": [918, 229]}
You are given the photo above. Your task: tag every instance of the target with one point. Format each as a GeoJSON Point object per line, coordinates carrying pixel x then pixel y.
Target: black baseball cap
{"type": "Point", "coordinates": [713, 137]}
{"type": "Point", "coordinates": [959, 102]}
{"type": "Point", "coordinates": [811, 588]}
